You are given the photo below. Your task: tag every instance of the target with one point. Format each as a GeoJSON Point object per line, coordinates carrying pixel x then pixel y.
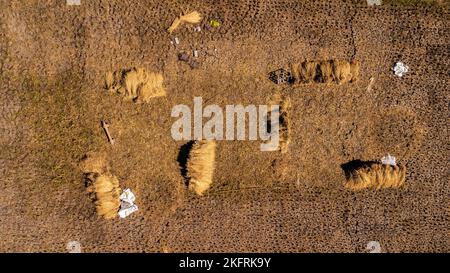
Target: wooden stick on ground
{"type": "Point", "coordinates": [108, 135]}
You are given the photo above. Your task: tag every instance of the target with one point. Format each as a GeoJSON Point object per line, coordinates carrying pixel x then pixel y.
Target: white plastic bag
{"type": "Point", "coordinates": [400, 69]}
{"type": "Point", "coordinates": [127, 205]}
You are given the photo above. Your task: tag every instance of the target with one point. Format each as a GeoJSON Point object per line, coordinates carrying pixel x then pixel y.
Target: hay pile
{"type": "Point", "coordinates": [355, 66]}
{"type": "Point", "coordinates": [305, 72]}
{"type": "Point", "coordinates": [200, 165]}
{"type": "Point", "coordinates": [328, 71]}
{"type": "Point", "coordinates": [284, 128]}
{"type": "Point", "coordinates": [376, 176]}
{"type": "Point", "coordinates": [106, 191]}
{"type": "Point", "coordinates": [103, 186]}
{"type": "Point", "coordinates": [191, 18]}
{"type": "Point", "coordinates": [135, 84]}
{"type": "Point", "coordinates": [341, 71]}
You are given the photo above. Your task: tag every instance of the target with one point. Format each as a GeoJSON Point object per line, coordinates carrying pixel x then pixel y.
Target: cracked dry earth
{"type": "Point", "coordinates": [53, 60]}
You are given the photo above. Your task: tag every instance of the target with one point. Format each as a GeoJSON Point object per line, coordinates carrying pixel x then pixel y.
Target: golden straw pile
{"type": "Point", "coordinates": [200, 165]}
{"type": "Point", "coordinates": [337, 71]}
{"type": "Point", "coordinates": [135, 84]}
{"type": "Point", "coordinates": [106, 189]}
{"type": "Point", "coordinates": [103, 186]}
{"type": "Point", "coordinates": [191, 18]}
{"type": "Point", "coordinates": [376, 176]}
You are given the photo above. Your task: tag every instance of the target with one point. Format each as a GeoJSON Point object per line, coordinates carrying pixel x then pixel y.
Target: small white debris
{"type": "Point", "coordinates": [374, 2]}
{"type": "Point", "coordinates": [400, 69]}
{"type": "Point", "coordinates": [127, 205]}
{"type": "Point", "coordinates": [177, 42]}
{"type": "Point", "coordinates": [197, 29]}
{"type": "Point", "coordinates": [127, 196]}
{"type": "Point", "coordinates": [195, 53]}
{"type": "Point", "coordinates": [388, 160]}
{"type": "Point", "coordinates": [126, 211]}
{"type": "Point", "coordinates": [73, 2]}
{"type": "Point", "coordinates": [373, 247]}
{"type": "Point", "coordinates": [73, 247]}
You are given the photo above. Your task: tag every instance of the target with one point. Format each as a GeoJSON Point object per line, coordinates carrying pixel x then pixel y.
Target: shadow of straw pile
{"type": "Point", "coordinates": [101, 184]}
{"type": "Point", "coordinates": [373, 175]}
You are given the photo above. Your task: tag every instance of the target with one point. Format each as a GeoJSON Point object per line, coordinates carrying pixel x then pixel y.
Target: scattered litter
{"type": "Point", "coordinates": [209, 52]}
{"type": "Point", "coordinates": [214, 23]}
{"type": "Point", "coordinates": [108, 135]}
{"type": "Point", "coordinates": [127, 205]}
{"type": "Point", "coordinates": [400, 69]}
{"type": "Point", "coordinates": [195, 53]}
{"type": "Point", "coordinates": [73, 2]}
{"type": "Point", "coordinates": [184, 57]}
{"type": "Point", "coordinates": [374, 2]}
{"type": "Point", "coordinates": [388, 160]}
{"type": "Point", "coordinates": [194, 64]}
{"type": "Point", "coordinates": [175, 41]}
{"type": "Point", "coordinates": [197, 29]}
{"type": "Point", "coordinates": [191, 18]}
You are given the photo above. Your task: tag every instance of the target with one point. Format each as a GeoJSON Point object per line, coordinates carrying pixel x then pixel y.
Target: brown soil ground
{"type": "Point", "coordinates": [53, 60]}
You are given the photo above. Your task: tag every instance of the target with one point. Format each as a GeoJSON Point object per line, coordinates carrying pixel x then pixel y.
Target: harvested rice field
{"type": "Point", "coordinates": [355, 98]}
